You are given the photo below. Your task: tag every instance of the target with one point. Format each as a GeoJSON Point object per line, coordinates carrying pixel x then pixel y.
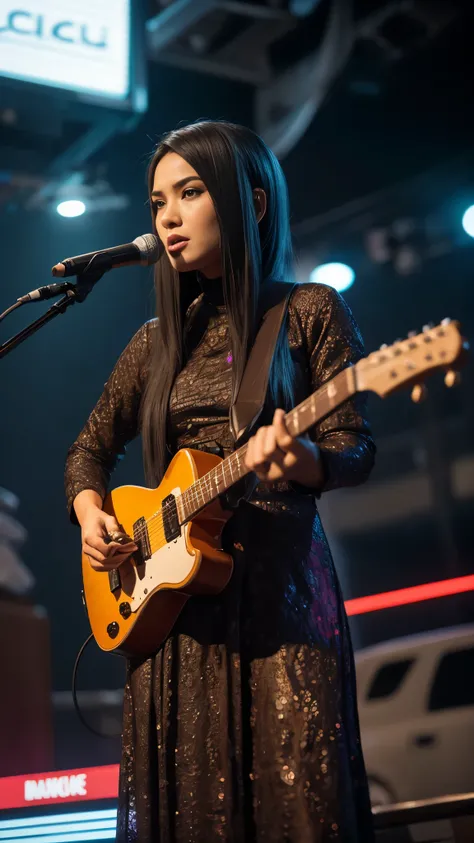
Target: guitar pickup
{"type": "Point", "coordinates": [142, 540]}
{"type": "Point", "coordinates": [114, 580]}
{"type": "Point", "coordinates": [169, 511]}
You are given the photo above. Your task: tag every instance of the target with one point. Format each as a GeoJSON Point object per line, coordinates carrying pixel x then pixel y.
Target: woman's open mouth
{"type": "Point", "coordinates": [177, 245]}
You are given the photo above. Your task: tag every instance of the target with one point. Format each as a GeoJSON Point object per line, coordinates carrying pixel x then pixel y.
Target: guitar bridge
{"type": "Point", "coordinates": [142, 540]}
{"type": "Point", "coordinates": [170, 518]}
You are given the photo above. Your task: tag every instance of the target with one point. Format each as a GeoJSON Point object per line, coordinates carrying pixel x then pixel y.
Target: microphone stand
{"type": "Point", "coordinates": [78, 293]}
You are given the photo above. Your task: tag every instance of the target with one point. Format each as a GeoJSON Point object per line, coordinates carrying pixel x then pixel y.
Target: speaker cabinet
{"type": "Point", "coordinates": [26, 721]}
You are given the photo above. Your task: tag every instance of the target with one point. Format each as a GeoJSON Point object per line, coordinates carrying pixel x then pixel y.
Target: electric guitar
{"type": "Point", "coordinates": [177, 527]}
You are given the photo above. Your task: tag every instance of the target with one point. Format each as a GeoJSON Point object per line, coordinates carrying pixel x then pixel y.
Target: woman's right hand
{"type": "Point", "coordinates": [103, 555]}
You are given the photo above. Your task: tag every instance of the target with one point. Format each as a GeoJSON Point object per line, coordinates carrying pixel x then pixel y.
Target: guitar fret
{"type": "Point", "coordinates": [331, 393]}
{"type": "Point", "coordinates": [239, 467]}
{"type": "Point", "coordinates": [206, 486]}
{"type": "Point", "coordinates": [296, 422]}
{"type": "Point", "coordinates": [202, 491]}
{"type": "Point", "coordinates": [199, 491]}
{"type": "Point", "coordinates": [351, 380]}
{"type": "Point", "coordinates": [222, 467]}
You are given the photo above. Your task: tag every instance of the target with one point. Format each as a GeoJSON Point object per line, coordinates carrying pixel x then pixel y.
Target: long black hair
{"type": "Point", "coordinates": [232, 161]}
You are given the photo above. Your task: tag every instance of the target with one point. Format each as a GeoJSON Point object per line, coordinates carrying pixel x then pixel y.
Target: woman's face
{"type": "Point", "coordinates": [185, 218]}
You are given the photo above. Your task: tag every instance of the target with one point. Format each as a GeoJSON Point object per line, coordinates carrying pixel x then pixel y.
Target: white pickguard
{"type": "Point", "coordinates": [171, 564]}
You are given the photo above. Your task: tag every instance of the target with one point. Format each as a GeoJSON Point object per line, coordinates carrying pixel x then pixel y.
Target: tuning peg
{"type": "Point", "coordinates": [446, 321]}
{"type": "Point", "coordinates": [383, 346]}
{"type": "Point", "coordinates": [419, 393]}
{"type": "Point", "coordinates": [411, 334]}
{"type": "Point", "coordinates": [452, 378]}
{"type": "Point", "coordinates": [428, 327]}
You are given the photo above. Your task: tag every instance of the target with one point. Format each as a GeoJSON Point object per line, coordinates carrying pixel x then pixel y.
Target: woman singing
{"type": "Point", "coordinates": [243, 727]}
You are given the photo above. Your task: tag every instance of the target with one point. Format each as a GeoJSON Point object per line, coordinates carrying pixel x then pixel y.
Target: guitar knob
{"type": "Point", "coordinates": [452, 378]}
{"type": "Point", "coordinates": [419, 393]}
{"type": "Point", "coordinates": [113, 629]}
{"type": "Point", "coordinates": [125, 610]}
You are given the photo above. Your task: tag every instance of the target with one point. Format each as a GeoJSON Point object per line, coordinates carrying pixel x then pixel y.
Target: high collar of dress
{"type": "Point", "coordinates": [212, 289]}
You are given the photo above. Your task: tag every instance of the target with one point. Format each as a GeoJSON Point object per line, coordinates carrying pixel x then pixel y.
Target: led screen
{"type": "Point", "coordinates": [78, 45]}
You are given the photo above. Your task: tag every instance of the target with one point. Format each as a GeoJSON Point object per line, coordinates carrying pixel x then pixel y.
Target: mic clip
{"type": "Point", "coordinates": [77, 291]}
{"type": "Point", "coordinates": [49, 291]}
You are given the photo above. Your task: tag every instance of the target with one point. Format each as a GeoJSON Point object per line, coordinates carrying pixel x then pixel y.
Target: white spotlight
{"type": "Point", "coordinates": [71, 208]}
{"type": "Point", "coordinates": [337, 275]}
{"type": "Point", "coordinates": [468, 221]}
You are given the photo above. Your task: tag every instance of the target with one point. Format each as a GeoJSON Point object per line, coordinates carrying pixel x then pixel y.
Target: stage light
{"type": "Point", "coordinates": [302, 8]}
{"type": "Point", "coordinates": [71, 208]}
{"type": "Point", "coordinates": [337, 275]}
{"type": "Point", "coordinates": [468, 221]}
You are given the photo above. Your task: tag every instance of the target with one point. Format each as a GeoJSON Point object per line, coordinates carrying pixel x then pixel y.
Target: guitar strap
{"type": "Point", "coordinates": [250, 401]}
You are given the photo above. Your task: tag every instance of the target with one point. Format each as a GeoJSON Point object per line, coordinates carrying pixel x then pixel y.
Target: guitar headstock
{"type": "Point", "coordinates": [410, 360]}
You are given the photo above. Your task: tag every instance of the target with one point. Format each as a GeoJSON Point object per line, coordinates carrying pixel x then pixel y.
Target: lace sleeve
{"type": "Point", "coordinates": [333, 343]}
{"type": "Point", "coordinates": [113, 423]}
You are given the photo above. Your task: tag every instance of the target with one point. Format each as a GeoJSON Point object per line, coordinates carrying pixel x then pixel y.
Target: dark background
{"type": "Point", "coordinates": [391, 141]}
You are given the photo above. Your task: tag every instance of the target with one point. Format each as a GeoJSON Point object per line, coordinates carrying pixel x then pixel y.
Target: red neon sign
{"type": "Point", "coordinates": [61, 786]}
{"type": "Point", "coordinates": [404, 596]}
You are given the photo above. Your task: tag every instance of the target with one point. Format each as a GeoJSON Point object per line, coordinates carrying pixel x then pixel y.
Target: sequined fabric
{"type": "Point", "coordinates": [244, 727]}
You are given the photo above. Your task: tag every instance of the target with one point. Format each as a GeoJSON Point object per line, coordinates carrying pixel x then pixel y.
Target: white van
{"type": "Point", "coordinates": [416, 709]}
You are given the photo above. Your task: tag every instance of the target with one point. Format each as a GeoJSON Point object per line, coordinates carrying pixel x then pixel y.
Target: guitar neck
{"type": "Point", "coordinates": [383, 372]}
{"type": "Point", "coordinates": [232, 469]}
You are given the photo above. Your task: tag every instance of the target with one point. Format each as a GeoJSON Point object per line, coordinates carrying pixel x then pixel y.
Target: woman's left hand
{"type": "Point", "coordinates": [273, 454]}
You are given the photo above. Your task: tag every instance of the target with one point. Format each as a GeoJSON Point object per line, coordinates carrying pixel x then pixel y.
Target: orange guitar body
{"type": "Point", "coordinates": [135, 616]}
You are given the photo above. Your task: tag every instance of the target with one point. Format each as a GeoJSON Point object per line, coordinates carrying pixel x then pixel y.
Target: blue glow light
{"type": "Point", "coordinates": [468, 221]}
{"type": "Point", "coordinates": [71, 208]}
{"type": "Point", "coordinates": [70, 837]}
{"type": "Point", "coordinates": [61, 828]}
{"type": "Point", "coordinates": [337, 275]}
{"type": "Point", "coordinates": [76, 816]}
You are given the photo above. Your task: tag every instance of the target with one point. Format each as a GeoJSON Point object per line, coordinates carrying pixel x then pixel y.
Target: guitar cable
{"type": "Point", "coordinates": [79, 713]}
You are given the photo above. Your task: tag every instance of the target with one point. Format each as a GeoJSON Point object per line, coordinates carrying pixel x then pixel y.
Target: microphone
{"type": "Point", "coordinates": [144, 250]}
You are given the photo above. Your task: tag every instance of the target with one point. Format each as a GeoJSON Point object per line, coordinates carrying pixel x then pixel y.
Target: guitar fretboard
{"type": "Point", "coordinates": [232, 469]}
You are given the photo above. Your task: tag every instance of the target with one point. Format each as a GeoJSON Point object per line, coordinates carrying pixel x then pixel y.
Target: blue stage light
{"type": "Point", "coordinates": [78, 816]}
{"type": "Point", "coordinates": [68, 837]}
{"type": "Point", "coordinates": [77, 827]}
{"type": "Point", "coordinates": [337, 275]}
{"type": "Point", "coordinates": [71, 208]}
{"type": "Point", "coordinates": [468, 221]}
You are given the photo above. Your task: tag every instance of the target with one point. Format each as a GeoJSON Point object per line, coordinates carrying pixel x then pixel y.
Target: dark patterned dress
{"type": "Point", "coordinates": [244, 727]}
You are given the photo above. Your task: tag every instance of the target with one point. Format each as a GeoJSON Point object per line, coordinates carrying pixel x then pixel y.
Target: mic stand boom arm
{"type": "Point", "coordinates": [78, 293]}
